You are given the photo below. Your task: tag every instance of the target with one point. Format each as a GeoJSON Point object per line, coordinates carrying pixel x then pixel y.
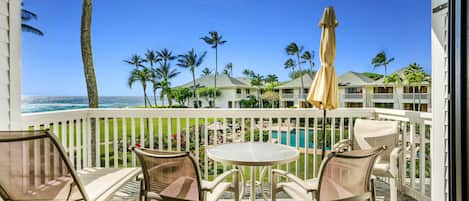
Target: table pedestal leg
{"type": "Point", "coordinates": [253, 183]}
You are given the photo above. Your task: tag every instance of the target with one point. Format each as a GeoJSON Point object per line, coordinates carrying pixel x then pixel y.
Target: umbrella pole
{"type": "Point", "coordinates": [324, 136]}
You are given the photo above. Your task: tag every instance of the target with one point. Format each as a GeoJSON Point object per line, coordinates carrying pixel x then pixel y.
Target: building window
{"type": "Point", "coordinates": [353, 105]}
{"type": "Point", "coordinates": [410, 106]}
{"type": "Point", "coordinates": [238, 91]}
{"type": "Point", "coordinates": [248, 91]}
{"type": "Point", "coordinates": [287, 91]}
{"type": "Point", "coordinates": [382, 90]}
{"type": "Point", "coordinates": [411, 89]}
{"type": "Point", "coordinates": [353, 90]}
{"type": "Point", "coordinates": [384, 105]}
{"type": "Point", "coordinates": [289, 104]}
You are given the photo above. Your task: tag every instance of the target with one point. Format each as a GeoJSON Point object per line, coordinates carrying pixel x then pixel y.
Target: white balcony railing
{"type": "Point", "coordinates": [288, 96]}
{"type": "Point", "coordinates": [417, 96]}
{"type": "Point", "coordinates": [353, 95]}
{"type": "Point", "coordinates": [188, 130]}
{"type": "Point", "coordinates": [383, 96]}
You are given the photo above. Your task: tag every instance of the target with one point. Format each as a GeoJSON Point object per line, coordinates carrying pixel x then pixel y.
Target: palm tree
{"type": "Point", "coordinates": [136, 61]}
{"type": "Point", "coordinates": [165, 74]}
{"type": "Point", "coordinates": [164, 56]}
{"type": "Point", "coordinates": [381, 59]}
{"type": "Point", "coordinates": [293, 49]}
{"type": "Point", "coordinates": [248, 73]}
{"type": "Point", "coordinates": [191, 61]}
{"type": "Point", "coordinates": [414, 75]}
{"type": "Point", "coordinates": [150, 57]}
{"type": "Point", "coordinates": [206, 71]}
{"type": "Point", "coordinates": [88, 67]}
{"type": "Point", "coordinates": [143, 76]}
{"type": "Point", "coordinates": [257, 81]}
{"type": "Point", "coordinates": [271, 78]}
{"type": "Point", "coordinates": [289, 64]}
{"type": "Point", "coordinates": [214, 40]}
{"type": "Point", "coordinates": [394, 79]}
{"type": "Point", "coordinates": [26, 16]}
{"type": "Point", "coordinates": [229, 69]}
{"type": "Point", "coordinates": [308, 57]}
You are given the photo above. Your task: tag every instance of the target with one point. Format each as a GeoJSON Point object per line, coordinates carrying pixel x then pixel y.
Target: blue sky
{"type": "Point", "coordinates": [257, 33]}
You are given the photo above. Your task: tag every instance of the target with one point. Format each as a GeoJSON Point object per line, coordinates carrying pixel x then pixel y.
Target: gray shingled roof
{"type": "Point", "coordinates": [351, 78]}
{"type": "Point", "coordinates": [296, 83]}
{"type": "Point", "coordinates": [223, 81]}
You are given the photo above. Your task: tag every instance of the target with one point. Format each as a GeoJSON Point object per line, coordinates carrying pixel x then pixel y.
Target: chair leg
{"type": "Point", "coordinates": [393, 189]}
{"type": "Point", "coordinates": [236, 186]}
{"type": "Point", "coordinates": [273, 187]}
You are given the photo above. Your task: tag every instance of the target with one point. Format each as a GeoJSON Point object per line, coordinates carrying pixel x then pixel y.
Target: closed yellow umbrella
{"type": "Point", "coordinates": [323, 92]}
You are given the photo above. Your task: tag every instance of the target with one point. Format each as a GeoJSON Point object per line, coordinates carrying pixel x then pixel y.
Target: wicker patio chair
{"type": "Point", "coordinates": [34, 166]}
{"type": "Point", "coordinates": [372, 133]}
{"type": "Point", "coordinates": [342, 177]}
{"type": "Point", "coordinates": [175, 176]}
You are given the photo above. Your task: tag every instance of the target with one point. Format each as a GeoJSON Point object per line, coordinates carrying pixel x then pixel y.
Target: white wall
{"type": "Point", "coordinates": [10, 64]}
{"type": "Point", "coordinates": [439, 89]}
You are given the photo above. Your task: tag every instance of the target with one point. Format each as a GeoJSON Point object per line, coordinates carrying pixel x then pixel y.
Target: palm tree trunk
{"type": "Point", "coordinates": [194, 91]}
{"type": "Point", "coordinates": [302, 83]}
{"type": "Point", "coordinates": [216, 72]}
{"type": "Point", "coordinates": [154, 97]}
{"type": "Point", "coordinates": [90, 77]}
{"type": "Point", "coordinates": [144, 94]}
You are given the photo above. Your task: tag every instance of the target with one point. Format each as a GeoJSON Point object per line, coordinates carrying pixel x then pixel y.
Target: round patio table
{"type": "Point", "coordinates": [253, 154]}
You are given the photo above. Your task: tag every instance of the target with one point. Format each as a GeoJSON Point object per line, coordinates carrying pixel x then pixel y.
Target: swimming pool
{"type": "Point", "coordinates": [283, 139]}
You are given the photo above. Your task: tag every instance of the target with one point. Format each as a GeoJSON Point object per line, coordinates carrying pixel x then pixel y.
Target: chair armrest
{"type": "Point", "coordinates": [342, 145]}
{"type": "Point", "coordinates": [394, 161]}
{"type": "Point", "coordinates": [363, 197]}
{"type": "Point", "coordinates": [211, 186]}
{"type": "Point", "coordinates": [295, 179]}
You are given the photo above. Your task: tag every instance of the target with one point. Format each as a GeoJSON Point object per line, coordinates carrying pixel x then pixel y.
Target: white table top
{"type": "Point", "coordinates": [252, 154]}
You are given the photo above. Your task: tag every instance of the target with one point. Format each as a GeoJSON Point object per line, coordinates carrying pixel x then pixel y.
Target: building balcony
{"type": "Point", "coordinates": [288, 96]}
{"type": "Point", "coordinates": [411, 96]}
{"type": "Point", "coordinates": [353, 95]}
{"type": "Point", "coordinates": [242, 96]}
{"type": "Point", "coordinates": [387, 96]}
{"type": "Point", "coordinates": [190, 130]}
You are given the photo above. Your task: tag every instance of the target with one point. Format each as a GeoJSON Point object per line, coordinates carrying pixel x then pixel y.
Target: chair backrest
{"type": "Point", "coordinates": [171, 175]}
{"type": "Point", "coordinates": [374, 133]}
{"type": "Point", "coordinates": [344, 175]}
{"type": "Point", "coordinates": [34, 166]}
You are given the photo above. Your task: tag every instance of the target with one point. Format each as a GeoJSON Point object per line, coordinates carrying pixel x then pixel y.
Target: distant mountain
{"type": "Point", "coordinates": [373, 76]}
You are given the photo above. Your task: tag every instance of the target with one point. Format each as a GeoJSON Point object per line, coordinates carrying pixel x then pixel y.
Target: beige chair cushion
{"type": "Point", "coordinates": [296, 192]}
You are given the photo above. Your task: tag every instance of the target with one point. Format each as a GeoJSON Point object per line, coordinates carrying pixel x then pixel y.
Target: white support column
{"type": "Point", "coordinates": [439, 130]}
{"type": "Point", "coordinates": [10, 65]}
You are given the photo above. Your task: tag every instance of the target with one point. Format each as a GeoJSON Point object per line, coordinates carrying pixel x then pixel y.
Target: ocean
{"type": "Point", "coordinates": [30, 104]}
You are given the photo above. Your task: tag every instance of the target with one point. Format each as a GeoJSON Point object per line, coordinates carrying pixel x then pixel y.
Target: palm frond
{"type": "Point", "coordinates": [31, 29]}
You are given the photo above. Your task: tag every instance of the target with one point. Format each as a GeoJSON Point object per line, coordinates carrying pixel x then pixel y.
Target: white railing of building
{"type": "Point", "coordinates": [353, 95]}
{"type": "Point", "coordinates": [383, 96]}
{"type": "Point", "coordinates": [189, 131]}
{"type": "Point", "coordinates": [416, 96]}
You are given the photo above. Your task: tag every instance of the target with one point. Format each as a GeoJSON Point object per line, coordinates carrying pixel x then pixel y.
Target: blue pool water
{"type": "Point", "coordinates": [283, 139]}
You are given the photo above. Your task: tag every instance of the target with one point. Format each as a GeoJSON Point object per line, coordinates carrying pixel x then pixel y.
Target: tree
{"type": "Point", "coordinates": [289, 64]}
{"type": "Point", "coordinates": [214, 40]}
{"type": "Point", "coordinates": [165, 74]}
{"type": "Point", "coordinates": [88, 67]}
{"type": "Point", "coordinates": [150, 57]}
{"type": "Point", "coordinates": [381, 59]}
{"type": "Point", "coordinates": [293, 49]}
{"type": "Point", "coordinates": [136, 61]}
{"type": "Point", "coordinates": [181, 95]}
{"type": "Point", "coordinates": [308, 57]}
{"type": "Point", "coordinates": [300, 73]}
{"type": "Point", "coordinates": [229, 69]}
{"type": "Point", "coordinates": [394, 79]}
{"type": "Point", "coordinates": [191, 61]}
{"type": "Point", "coordinates": [209, 93]}
{"type": "Point", "coordinates": [164, 56]}
{"type": "Point", "coordinates": [206, 71]}
{"type": "Point", "coordinates": [414, 75]}
{"type": "Point", "coordinates": [257, 81]}
{"type": "Point", "coordinates": [27, 16]}
{"type": "Point", "coordinates": [271, 78]}
{"type": "Point", "coordinates": [248, 73]}
{"type": "Point", "coordinates": [373, 76]}
{"type": "Point", "coordinates": [271, 97]}
{"type": "Point", "coordinates": [142, 75]}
